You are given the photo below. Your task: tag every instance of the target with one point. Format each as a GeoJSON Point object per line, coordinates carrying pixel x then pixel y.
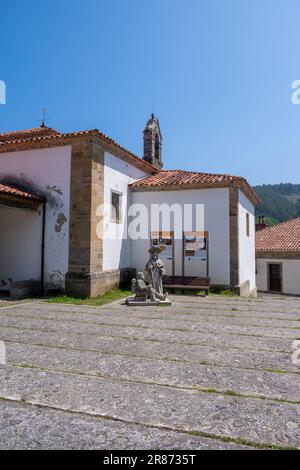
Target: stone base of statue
{"type": "Point", "coordinates": [134, 302]}
{"type": "Point", "coordinates": [145, 294]}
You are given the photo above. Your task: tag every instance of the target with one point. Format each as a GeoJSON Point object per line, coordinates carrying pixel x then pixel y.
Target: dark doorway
{"type": "Point", "coordinates": [275, 277]}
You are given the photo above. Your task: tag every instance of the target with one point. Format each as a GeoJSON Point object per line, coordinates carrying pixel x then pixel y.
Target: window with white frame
{"type": "Point", "coordinates": [116, 207]}
{"type": "Point", "coordinates": [248, 225]}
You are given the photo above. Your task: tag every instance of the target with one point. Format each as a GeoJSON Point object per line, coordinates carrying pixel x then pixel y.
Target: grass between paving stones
{"type": "Point", "coordinates": [238, 440]}
{"type": "Point", "coordinates": [280, 371]}
{"type": "Point", "coordinates": [225, 293]}
{"type": "Point", "coordinates": [232, 393]}
{"type": "Point", "coordinates": [108, 297]}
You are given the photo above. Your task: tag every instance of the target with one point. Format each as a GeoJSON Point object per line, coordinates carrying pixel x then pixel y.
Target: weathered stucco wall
{"type": "Point", "coordinates": [47, 173]}
{"type": "Point", "coordinates": [246, 243]}
{"type": "Point", "coordinates": [118, 174]}
{"type": "Point", "coordinates": [20, 245]}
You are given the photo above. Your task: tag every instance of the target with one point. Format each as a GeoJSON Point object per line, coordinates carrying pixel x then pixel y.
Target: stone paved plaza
{"type": "Point", "coordinates": [206, 373]}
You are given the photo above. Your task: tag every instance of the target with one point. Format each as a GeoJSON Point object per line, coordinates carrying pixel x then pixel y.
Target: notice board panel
{"type": "Point", "coordinates": [195, 254]}
{"type": "Point", "coordinates": [165, 240]}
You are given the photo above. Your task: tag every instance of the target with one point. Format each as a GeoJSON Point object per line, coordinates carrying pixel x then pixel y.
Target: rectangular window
{"type": "Point", "coordinates": [247, 225]}
{"type": "Point", "coordinates": [116, 201]}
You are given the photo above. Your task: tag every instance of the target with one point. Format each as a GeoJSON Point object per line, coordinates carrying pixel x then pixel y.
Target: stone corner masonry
{"type": "Point", "coordinates": [86, 277]}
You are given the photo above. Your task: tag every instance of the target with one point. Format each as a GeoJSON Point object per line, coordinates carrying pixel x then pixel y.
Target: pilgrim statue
{"type": "Point", "coordinates": [148, 289]}
{"type": "Point", "coordinates": [155, 269]}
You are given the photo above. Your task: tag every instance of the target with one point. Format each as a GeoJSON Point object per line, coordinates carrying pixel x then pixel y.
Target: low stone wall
{"type": "Point", "coordinates": [243, 290]}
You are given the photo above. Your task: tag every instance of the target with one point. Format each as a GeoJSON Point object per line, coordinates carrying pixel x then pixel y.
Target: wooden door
{"type": "Point", "coordinates": [275, 277]}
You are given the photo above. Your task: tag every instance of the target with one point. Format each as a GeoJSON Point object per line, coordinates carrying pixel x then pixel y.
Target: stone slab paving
{"type": "Point", "coordinates": [31, 427]}
{"type": "Point", "coordinates": [7, 302]}
{"type": "Point", "coordinates": [202, 374]}
{"type": "Point", "coordinates": [215, 354]}
{"type": "Point", "coordinates": [263, 421]}
{"type": "Point", "coordinates": [162, 372]}
{"type": "Point", "coordinates": [204, 308]}
{"type": "Point", "coordinates": [258, 337]}
{"type": "Point", "coordinates": [169, 318]}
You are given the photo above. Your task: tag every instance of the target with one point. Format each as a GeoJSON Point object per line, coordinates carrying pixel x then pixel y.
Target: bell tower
{"type": "Point", "coordinates": [153, 143]}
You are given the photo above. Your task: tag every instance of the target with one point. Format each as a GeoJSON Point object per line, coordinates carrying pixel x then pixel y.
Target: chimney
{"type": "Point", "coordinates": [261, 223]}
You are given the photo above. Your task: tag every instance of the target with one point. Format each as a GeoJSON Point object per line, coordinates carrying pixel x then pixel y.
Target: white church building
{"type": "Point", "coordinates": [68, 203]}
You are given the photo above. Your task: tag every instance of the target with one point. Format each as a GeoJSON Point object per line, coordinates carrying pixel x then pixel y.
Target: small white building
{"type": "Point", "coordinates": [67, 206]}
{"type": "Point", "coordinates": [278, 258]}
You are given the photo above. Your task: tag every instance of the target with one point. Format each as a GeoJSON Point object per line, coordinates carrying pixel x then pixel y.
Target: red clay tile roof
{"type": "Point", "coordinates": [37, 137]}
{"type": "Point", "coordinates": [181, 179]}
{"type": "Point", "coordinates": [284, 237]}
{"type": "Point", "coordinates": [159, 180]}
{"type": "Point", "coordinates": [6, 137]}
{"type": "Point", "coordinates": [10, 190]}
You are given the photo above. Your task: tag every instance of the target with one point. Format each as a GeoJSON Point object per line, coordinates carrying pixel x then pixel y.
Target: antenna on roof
{"type": "Point", "coordinates": [44, 118]}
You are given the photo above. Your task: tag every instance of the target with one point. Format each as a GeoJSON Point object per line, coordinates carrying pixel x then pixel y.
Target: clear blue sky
{"type": "Point", "coordinates": [218, 73]}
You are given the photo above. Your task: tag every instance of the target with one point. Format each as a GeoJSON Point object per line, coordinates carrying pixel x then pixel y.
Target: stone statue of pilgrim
{"type": "Point", "coordinates": [155, 269]}
{"type": "Point", "coordinates": [150, 285]}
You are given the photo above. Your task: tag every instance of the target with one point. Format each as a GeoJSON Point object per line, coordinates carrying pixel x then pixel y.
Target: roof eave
{"type": "Point", "coordinates": [242, 185]}
{"type": "Point", "coordinates": [14, 200]}
{"type": "Point", "coordinates": [68, 139]}
{"type": "Point", "coordinates": [277, 254]}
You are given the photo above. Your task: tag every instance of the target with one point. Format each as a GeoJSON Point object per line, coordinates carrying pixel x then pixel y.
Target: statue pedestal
{"type": "Point", "coordinates": [132, 302]}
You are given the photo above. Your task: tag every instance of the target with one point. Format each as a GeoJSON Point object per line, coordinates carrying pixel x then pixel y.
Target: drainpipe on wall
{"type": "Point", "coordinates": [43, 249]}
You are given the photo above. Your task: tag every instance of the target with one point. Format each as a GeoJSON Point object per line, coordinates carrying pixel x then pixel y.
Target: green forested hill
{"type": "Point", "coordinates": [279, 201]}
